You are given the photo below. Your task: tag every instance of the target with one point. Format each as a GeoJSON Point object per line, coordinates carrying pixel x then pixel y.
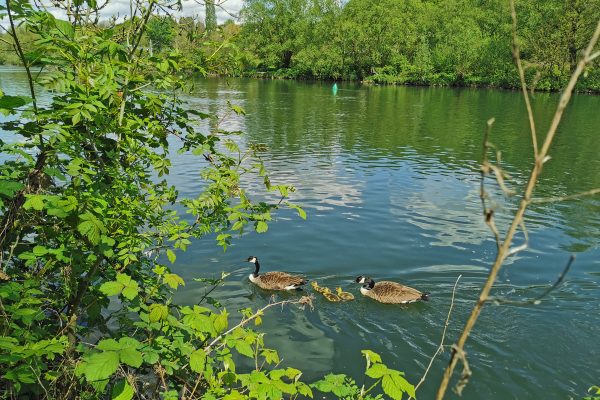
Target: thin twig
{"type": "Point", "coordinates": [21, 55]}
{"type": "Point", "coordinates": [537, 300]}
{"type": "Point", "coordinates": [440, 348]}
{"type": "Point", "coordinates": [303, 300]}
{"type": "Point", "coordinates": [563, 198]}
{"type": "Point", "coordinates": [517, 57]}
{"type": "Point", "coordinates": [593, 56]}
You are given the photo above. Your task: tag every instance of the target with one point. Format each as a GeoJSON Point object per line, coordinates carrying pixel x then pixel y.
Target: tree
{"type": "Point", "coordinates": [210, 20]}
{"type": "Point", "coordinates": [160, 32]}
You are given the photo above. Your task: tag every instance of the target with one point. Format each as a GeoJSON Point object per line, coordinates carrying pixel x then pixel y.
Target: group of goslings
{"type": "Point", "coordinates": [383, 291]}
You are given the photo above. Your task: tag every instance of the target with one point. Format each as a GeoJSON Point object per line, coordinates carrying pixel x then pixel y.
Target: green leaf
{"type": "Point", "coordinates": [34, 201]}
{"type": "Point", "coordinates": [173, 280]}
{"type": "Point", "coordinates": [100, 366]}
{"type": "Point", "coordinates": [122, 391]}
{"type": "Point", "coordinates": [198, 361]}
{"type": "Point", "coordinates": [9, 188]}
{"type": "Point", "coordinates": [171, 255]}
{"type": "Point", "coordinates": [11, 102]}
{"type": "Point", "coordinates": [39, 250]}
{"type": "Point", "coordinates": [220, 323]}
{"type": "Point", "coordinates": [130, 292]}
{"type": "Point", "coordinates": [371, 357]}
{"type": "Point", "coordinates": [238, 225]}
{"type": "Point", "coordinates": [261, 226]}
{"type": "Point", "coordinates": [158, 312]}
{"type": "Point", "coordinates": [8, 342]}
{"type": "Point", "coordinates": [304, 389]}
{"type": "Point", "coordinates": [237, 109]}
{"type": "Point", "coordinates": [336, 384]}
{"type": "Point", "coordinates": [91, 227]}
{"type": "Point", "coordinates": [112, 288]}
{"type": "Point", "coordinates": [377, 371]}
{"type": "Point", "coordinates": [129, 354]}
{"type": "Point", "coordinates": [270, 356]}
{"type": "Point", "coordinates": [151, 356]}
{"type": "Point", "coordinates": [108, 345]}
{"type": "Point", "coordinates": [234, 395]}
{"type": "Point", "coordinates": [244, 348]}
{"type": "Point", "coordinates": [395, 385]}
{"type": "Point", "coordinates": [130, 287]}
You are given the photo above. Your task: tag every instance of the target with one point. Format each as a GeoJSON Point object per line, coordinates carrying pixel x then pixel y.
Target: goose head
{"type": "Point", "coordinates": [361, 279]}
{"type": "Point", "coordinates": [368, 285]}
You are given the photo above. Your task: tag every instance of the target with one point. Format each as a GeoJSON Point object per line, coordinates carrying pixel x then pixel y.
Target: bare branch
{"type": "Point", "coordinates": [538, 299]}
{"type": "Point", "coordinates": [564, 198]}
{"type": "Point", "coordinates": [440, 348]}
{"type": "Point", "coordinates": [517, 57]}
{"type": "Point", "coordinates": [500, 178]}
{"type": "Point", "coordinates": [304, 300]}
{"type": "Point", "coordinates": [593, 56]}
{"type": "Point", "coordinates": [466, 372]}
{"type": "Point", "coordinates": [485, 170]}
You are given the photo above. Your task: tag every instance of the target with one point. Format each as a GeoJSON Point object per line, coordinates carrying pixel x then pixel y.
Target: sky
{"type": "Point", "coordinates": [191, 8]}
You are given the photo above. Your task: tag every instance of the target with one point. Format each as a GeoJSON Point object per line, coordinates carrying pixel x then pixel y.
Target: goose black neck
{"type": "Point", "coordinates": [257, 267]}
{"type": "Point", "coordinates": [370, 283]}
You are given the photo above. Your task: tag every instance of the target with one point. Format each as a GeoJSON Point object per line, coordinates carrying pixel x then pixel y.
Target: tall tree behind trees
{"type": "Point", "coordinates": [160, 32]}
{"type": "Point", "coordinates": [210, 19]}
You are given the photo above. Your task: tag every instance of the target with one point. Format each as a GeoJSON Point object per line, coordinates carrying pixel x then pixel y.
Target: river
{"type": "Point", "coordinates": [389, 177]}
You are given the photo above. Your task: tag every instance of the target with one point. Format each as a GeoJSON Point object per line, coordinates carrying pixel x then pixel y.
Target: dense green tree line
{"type": "Point", "coordinates": [449, 42]}
{"type": "Point", "coordinates": [422, 42]}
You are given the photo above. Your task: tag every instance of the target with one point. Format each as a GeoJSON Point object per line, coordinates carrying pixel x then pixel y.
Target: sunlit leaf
{"type": "Point", "coordinates": [122, 391]}
{"type": "Point", "coordinates": [198, 360]}
{"type": "Point", "coordinates": [100, 366]}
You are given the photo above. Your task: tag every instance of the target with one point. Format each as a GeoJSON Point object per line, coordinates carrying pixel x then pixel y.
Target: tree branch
{"type": "Point", "coordinates": [304, 300]}
{"type": "Point", "coordinates": [537, 300]}
{"type": "Point", "coordinates": [440, 348]}
{"type": "Point", "coordinates": [563, 198]}
{"type": "Point", "coordinates": [517, 57]}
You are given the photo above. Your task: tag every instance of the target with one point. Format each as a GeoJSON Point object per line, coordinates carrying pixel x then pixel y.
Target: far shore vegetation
{"type": "Point", "coordinates": [409, 42]}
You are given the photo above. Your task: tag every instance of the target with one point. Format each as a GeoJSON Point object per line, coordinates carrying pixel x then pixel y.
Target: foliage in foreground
{"type": "Point", "coordinates": [86, 210]}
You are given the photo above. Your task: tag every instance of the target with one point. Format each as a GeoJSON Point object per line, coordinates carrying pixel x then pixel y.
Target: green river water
{"type": "Point", "coordinates": [389, 177]}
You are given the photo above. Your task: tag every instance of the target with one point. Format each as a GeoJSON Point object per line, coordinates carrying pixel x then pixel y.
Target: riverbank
{"type": "Point", "coordinates": [589, 86]}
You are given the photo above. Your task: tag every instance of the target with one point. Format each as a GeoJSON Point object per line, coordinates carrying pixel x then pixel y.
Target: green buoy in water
{"type": "Point", "coordinates": [334, 88]}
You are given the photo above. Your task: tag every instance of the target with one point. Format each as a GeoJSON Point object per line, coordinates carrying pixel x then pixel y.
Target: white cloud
{"type": "Point", "coordinates": [226, 9]}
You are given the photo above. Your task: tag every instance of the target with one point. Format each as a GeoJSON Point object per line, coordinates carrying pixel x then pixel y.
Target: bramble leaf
{"type": "Point", "coordinates": [261, 226]}
{"type": "Point", "coordinates": [122, 391]}
{"type": "Point", "coordinates": [198, 360]}
{"type": "Point", "coordinates": [111, 288]}
{"type": "Point", "coordinates": [100, 366]}
{"type": "Point", "coordinates": [395, 385]}
{"type": "Point", "coordinates": [173, 280]}
{"type": "Point", "coordinates": [158, 312]}
{"type": "Point", "coordinates": [376, 371]}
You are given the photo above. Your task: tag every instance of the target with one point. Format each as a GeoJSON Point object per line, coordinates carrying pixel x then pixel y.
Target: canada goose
{"type": "Point", "coordinates": [329, 295]}
{"type": "Point", "coordinates": [389, 292]}
{"type": "Point", "coordinates": [344, 295]}
{"type": "Point", "coordinates": [275, 280]}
